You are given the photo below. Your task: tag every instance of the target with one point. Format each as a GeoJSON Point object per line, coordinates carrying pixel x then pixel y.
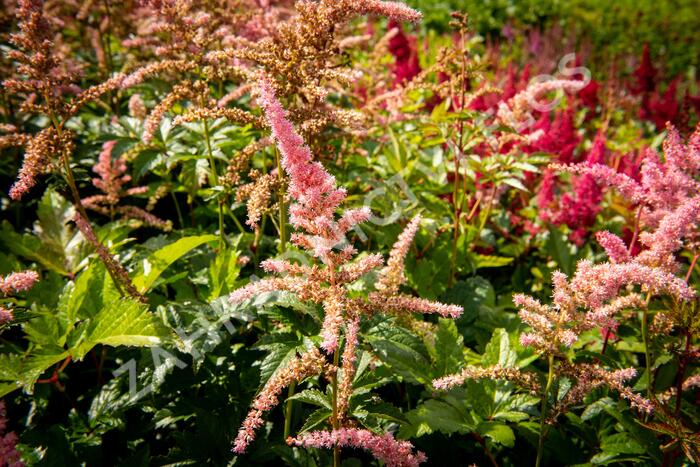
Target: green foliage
{"type": "Point", "coordinates": [92, 373]}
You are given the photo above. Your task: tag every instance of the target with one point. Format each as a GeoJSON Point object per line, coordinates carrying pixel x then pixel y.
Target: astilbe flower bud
{"type": "Point", "coordinates": [333, 308]}
{"type": "Point", "coordinates": [137, 109]}
{"type": "Point", "coordinates": [392, 276]}
{"type": "Point", "coordinates": [497, 372]}
{"type": "Point", "coordinates": [383, 447]}
{"type": "Point", "coordinates": [14, 283]}
{"type": "Point", "coordinates": [38, 158]}
{"type": "Point", "coordinates": [18, 282]}
{"type": "Point", "coordinates": [349, 358]}
{"type": "Point", "coordinates": [6, 315]}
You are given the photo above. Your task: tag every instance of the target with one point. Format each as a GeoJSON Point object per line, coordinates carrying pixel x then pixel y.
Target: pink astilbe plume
{"type": "Point", "coordinates": [517, 111]}
{"type": "Point", "coordinates": [596, 294]}
{"type": "Point", "coordinates": [315, 200]}
{"type": "Point", "coordinates": [6, 315]}
{"type": "Point", "coordinates": [316, 197]}
{"type": "Point", "coordinates": [523, 379]}
{"type": "Point", "coordinates": [18, 282]}
{"type": "Point", "coordinates": [12, 284]}
{"type": "Point", "coordinates": [395, 11]}
{"type": "Point", "coordinates": [383, 447]}
{"type": "Point", "coordinates": [666, 196]}
{"type": "Point", "coordinates": [9, 456]}
{"type": "Point", "coordinates": [111, 179]}
{"type": "Point", "coordinates": [614, 246]}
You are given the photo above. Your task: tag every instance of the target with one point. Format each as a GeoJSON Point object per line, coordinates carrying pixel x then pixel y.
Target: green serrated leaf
{"type": "Point", "coordinates": [446, 351]}
{"type": "Point", "coordinates": [314, 397]}
{"type": "Point", "coordinates": [223, 273]}
{"type": "Point", "coordinates": [315, 419]}
{"type": "Point", "coordinates": [153, 266]}
{"type": "Point", "coordinates": [126, 322]}
{"type": "Point", "coordinates": [498, 432]}
{"type": "Point", "coordinates": [435, 415]}
{"type": "Point", "coordinates": [498, 351]}
{"type": "Point", "coordinates": [621, 443]}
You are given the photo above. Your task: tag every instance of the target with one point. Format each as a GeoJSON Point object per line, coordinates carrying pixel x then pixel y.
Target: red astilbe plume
{"type": "Point", "coordinates": [661, 108]}
{"type": "Point", "coordinates": [558, 137]}
{"type": "Point", "coordinates": [578, 208]}
{"type": "Point", "coordinates": [403, 48]}
{"type": "Point", "coordinates": [111, 179]}
{"type": "Point", "coordinates": [315, 198]}
{"type": "Point", "coordinates": [645, 74]}
{"type": "Point", "coordinates": [589, 95]}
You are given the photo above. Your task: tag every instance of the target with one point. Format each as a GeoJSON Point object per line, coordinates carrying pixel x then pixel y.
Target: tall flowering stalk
{"type": "Point", "coordinates": [319, 231]}
{"type": "Point", "coordinates": [46, 79]}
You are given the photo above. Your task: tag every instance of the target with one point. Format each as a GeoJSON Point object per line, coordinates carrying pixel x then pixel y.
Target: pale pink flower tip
{"type": "Point", "coordinates": [5, 315]}
{"type": "Point", "coordinates": [614, 246]}
{"type": "Point", "coordinates": [383, 447]}
{"type": "Point", "coordinates": [392, 10]}
{"type": "Point", "coordinates": [18, 282]}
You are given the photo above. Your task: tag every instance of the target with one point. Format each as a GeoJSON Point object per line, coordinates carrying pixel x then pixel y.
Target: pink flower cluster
{"type": "Point", "coordinates": [14, 283]}
{"type": "Point", "coordinates": [111, 181]}
{"type": "Point", "coordinates": [18, 282]}
{"type": "Point", "coordinates": [667, 195]}
{"type": "Point", "coordinates": [9, 457]}
{"type": "Point", "coordinates": [316, 197]}
{"type": "Point", "coordinates": [383, 447]}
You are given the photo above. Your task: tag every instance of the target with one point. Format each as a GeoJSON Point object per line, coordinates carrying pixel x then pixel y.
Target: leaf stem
{"type": "Point", "coordinates": [288, 410]}
{"type": "Point", "coordinates": [282, 205]}
{"type": "Point", "coordinates": [334, 419]}
{"type": "Point", "coordinates": [645, 338]}
{"type": "Point", "coordinates": [215, 183]}
{"type": "Point", "coordinates": [543, 410]}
